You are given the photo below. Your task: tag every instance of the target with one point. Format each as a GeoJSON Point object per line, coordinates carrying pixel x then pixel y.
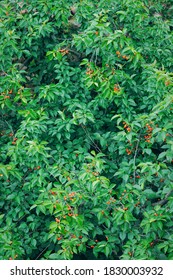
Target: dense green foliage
{"type": "Point", "coordinates": [86, 147]}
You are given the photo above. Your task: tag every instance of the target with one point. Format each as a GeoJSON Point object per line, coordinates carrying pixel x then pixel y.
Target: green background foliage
{"type": "Point", "coordinates": [86, 147]}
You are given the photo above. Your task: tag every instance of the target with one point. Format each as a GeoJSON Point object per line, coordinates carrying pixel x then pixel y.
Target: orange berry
{"type": "Point", "coordinates": [116, 89]}
{"type": "Point", "coordinates": [53, 193]}
{"type": "Point", "coordinates": [70, 214]}
{"type": "Point", "coordinates": [167, 83]}
{"type": "Point", "coordinates": [161, 180]}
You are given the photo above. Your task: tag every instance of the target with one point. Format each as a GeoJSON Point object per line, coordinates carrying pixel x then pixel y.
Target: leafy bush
{"type": "Point", "coordinates": [86, 129]}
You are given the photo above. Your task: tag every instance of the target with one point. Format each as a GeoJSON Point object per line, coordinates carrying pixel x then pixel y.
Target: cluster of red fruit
{"type": "Point", "coordinates": [89, 71]}
{"type": "Point", "coordinates": [124, 195]}
{"type": "Point", "coordinates": [128, 152]}
{"type": "Point", "coordinates": [111, 200]}
{"type": "Point", "coordinates": [70, 214]}
{"type": "Point", "coordinates": [63, 51]}
{"type": "Point", "coordinates": [123, 56]}
{"type": "Point", "coordinates": [137, 204]}
{"type": "Point", "coordinates": [14, 141]}
{"type": "Point", "coordinates": [72, 236]}
{"type": "Point", "coordinates": [92, 246]}
{"type": "Point", "coordinates": [7, 96]}
{"type": "Point", "coordinates": [37, 168]}
{"type": "Point", "coordinates": [149, 132]}
{"type": "Point", "coordinates": [126, 126]}
{"type": "Point", "coordinates": [116, 88]}
{"type": "Point", "coordinates": [57, 220]}
{"type": "Point", "coordinates": [72, 194]}
{"type": "Point", "coordinates": [95, 173]}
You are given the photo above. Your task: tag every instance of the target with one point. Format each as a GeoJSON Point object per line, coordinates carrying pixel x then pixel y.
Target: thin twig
{"type": "Point", "coordinates": [42, 251]}
{"type": "Point", "coordinates": [163, 201]}
{"type": "Point", "coordinates": [87, 133]}
{"type": "Point", "coordinates": [136, 151]}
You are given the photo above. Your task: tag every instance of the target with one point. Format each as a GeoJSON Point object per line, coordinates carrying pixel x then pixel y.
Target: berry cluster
{"type": "Point", "coordinates": [89, 71]}
{"type": "Point", "coordinates": [116, 88]}
{"type": "Point", "coordinates": [126, 126]}
{"type": "Point", "coordinates": [149, 133]}
{"type": "Point", "coordinates": [14, 141]}
{"type": "Point", "coordinates": [64, 51]}
{"type": "Point", "coordinates": [128, 152]}
{"type": "Point", "coordinates": [123, 56]}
